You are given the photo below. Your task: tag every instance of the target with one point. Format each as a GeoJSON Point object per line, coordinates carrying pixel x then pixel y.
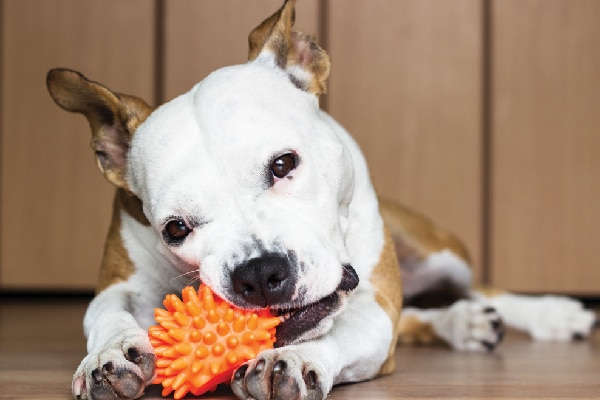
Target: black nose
{"type": "Point", "coordinates": [266, 280]}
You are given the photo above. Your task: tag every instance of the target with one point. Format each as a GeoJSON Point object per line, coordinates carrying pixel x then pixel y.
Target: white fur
{"type": "Point", "coordinates": [547, 318]}
{"type": "Point", "coordinates": [437, 267]}
{"type": "Point", "coordinates": [204, 157]}
{"type": "Point", "coordinates": [466, 325]}
{"type": "Point", "coordinates": [118, 317]}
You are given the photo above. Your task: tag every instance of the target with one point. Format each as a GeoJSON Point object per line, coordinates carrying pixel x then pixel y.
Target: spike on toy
{"type": "Point", "coordinates": [200, 341]}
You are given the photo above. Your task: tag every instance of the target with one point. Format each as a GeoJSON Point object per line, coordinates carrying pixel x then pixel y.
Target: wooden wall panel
{"type": "Point", "coordinates": [202, 36]}
{"type": "Point", "coordinates": [406, 82]}
{"type": "Point", "coordinates": [546, 145]}
{"type": "Point", "coordinates": [55, 205]}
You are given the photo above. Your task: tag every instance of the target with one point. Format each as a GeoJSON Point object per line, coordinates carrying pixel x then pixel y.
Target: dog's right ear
{"type": "Point", "coordinates": [113, 118]}
{"type": "Point", "coordinates": [305, 62]}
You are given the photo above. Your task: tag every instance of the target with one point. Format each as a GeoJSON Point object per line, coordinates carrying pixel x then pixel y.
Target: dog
{"type": "Point", "coordinates": [244, 184]}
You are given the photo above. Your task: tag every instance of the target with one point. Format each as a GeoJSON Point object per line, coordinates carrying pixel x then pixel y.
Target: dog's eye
{"type": "Point", "coordinates": [175, 232]}
{"type": "Point", "coordinates": [282, 165]}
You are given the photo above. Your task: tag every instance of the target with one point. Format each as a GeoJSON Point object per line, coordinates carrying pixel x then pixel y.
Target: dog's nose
{"type": "Point", "coordinates": [265, 280]}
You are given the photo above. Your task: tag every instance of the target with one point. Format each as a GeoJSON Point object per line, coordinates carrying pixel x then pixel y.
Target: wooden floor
{"type": "Point", "coordinates": [41, 344]}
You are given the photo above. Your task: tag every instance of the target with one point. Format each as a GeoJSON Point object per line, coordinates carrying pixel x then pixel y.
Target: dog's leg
{"type": "Point", "coordinates": [120, 360]}
{"type": "Point", "coordinates": [466, 325]}
{"type": "Point", "coordinates": [550, 318]}
{"type": "Point", "coordinates": [310, 369]}
{"type": "Point", "coordinates": [436, 280]}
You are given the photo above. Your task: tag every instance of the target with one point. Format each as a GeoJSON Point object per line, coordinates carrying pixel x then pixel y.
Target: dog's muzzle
{"type": "Point", "coordinates": [307, 321]}
{"type": "Point", "coordinates": [270, 281]}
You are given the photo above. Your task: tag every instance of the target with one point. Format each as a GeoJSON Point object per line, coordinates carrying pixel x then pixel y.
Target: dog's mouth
{"type": "Point", "coordinates": [297, 322]}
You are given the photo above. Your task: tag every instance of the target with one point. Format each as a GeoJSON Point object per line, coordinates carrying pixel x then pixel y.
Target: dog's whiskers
{"type": "Point", "coordinates": [194, 278]}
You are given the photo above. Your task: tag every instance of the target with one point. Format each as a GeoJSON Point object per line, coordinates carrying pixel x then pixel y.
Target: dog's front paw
{"type": "Point", "coordinates": [120, 370]}
{"type": "Point", "coordinates": [471, 326]}
{"type": "Point", "coordinates": [278, 374]}
{"type": "Point", "coordinates": [561, 319]}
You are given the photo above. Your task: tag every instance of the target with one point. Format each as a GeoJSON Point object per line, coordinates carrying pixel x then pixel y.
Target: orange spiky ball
{"type": "Point", "coordinates": [200, 340]}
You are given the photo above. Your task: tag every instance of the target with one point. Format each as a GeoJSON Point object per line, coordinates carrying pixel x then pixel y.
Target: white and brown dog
{"type": "Point", "coordinates": [243, 183]}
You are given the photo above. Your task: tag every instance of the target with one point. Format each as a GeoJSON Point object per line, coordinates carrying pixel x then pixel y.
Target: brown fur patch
{"type": "Point", "coordinates": [385, 278]}
{"type": "Point", "coordinates": [116, 265]}
{"type": "Point", "coordinates": [416, 236]}
{"type": "Point", "coordinates": [257, 39]}
{"type": "Point", "coordinates": [291, 49]}
{"type": "Point", "coordinates": [133, 206]}
{"type": "Point", "coordinates": [113, 118]}
{"type": "Point", "coordinates": [489, 292]}
{"type": "Point", "coordinates": [308, 55]}
{"type": "Point", "coordinates": [411, 330]}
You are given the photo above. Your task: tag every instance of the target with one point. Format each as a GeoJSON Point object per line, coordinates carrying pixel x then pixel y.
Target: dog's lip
{"type": "Point", "coordinates": [297, 321]}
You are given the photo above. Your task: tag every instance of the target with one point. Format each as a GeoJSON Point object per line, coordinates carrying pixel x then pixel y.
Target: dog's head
{"type": "Point", "coordinates": [243, 179]}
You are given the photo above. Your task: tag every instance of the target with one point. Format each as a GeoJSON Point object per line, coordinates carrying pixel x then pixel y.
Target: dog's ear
{"type": "Point", "coordinates": [298, 54]}
{"type": "Point", "coordinates": [113, 118]}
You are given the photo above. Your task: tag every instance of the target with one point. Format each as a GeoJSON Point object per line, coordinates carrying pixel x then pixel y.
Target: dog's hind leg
{"type": "Point", "coordinates": [440, 306]}
{"type": "Point", "coordinates": [466, 325]}
{"type": "Point", "coordinates": [434, 264]}
{"type": "Point", "coordinates": [549, 318]}
{"type": "Point", "coordinates": [436, 283]}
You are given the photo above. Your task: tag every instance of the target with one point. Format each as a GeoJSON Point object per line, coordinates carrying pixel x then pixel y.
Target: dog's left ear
{"type": "Point", "coordinates": [113, 118]}
{"type": "Point", "coordinates": [298, 54]}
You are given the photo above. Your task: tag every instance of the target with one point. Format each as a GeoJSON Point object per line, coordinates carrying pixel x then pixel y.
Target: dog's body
{"type": "Point", "coordinates": [244, 184]}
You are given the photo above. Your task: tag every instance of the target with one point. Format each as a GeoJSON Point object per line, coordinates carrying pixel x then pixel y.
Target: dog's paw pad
{"type": "Point", "coordinates": [109, 382]}
{"type": "Point", "coordinates": [471, 326]}
{"type": "Point", "coordinates": [277, 375]}
{"type": "Point", "coordinates": [125, 382]}
{"type": "Point", "coordinates": [144, 360]}
{"type": "Point", "coordinates": [119, 371]}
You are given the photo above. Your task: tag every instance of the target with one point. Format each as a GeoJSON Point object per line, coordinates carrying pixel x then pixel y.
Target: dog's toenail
{"type": "Point", "coordinates": [241, 372]}
{"type": "Point", "coordinates": [578, 336]}
{"type": "Point", "coordinates": [108, 368]}
{"type": "Point", "coordinates": [133, 355]}
{"type": "Point", "coordinates": [97, 375]}
{"type": "Point", "coordinates": [260, 365]}
{"type": "Point", "coordinates": [489, 310]}
{"type": "Point", "coordinates": [489, 346]}
{"type": "Point", "coordinates": [496, 325]}
{"type": "Point", "coordinates": [280, 367]}
{"type": "Point", "coordinates": [311, 380]}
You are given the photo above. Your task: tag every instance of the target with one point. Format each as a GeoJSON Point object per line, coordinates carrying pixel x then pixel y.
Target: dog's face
{"type": "Point", "coordinates": [243, 180]}
{"type": "Point", "coordinates": [247, 186]}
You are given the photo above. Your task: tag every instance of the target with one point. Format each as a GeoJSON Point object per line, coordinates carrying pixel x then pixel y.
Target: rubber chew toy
{"type": "Point", "coordinates": [200, 341]}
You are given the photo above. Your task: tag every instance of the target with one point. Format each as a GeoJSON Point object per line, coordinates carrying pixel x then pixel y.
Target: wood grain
{"type": "Point", "coordinates": [55, 204]}
{"type": "Point", "coordinates": [546, 145]}
{"type": "Point", "coordinates": [406, 82]}
{"type": "Point", "coordinates": [202, 36]}
{"type": "Point", "coordinates": [41, 344]}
